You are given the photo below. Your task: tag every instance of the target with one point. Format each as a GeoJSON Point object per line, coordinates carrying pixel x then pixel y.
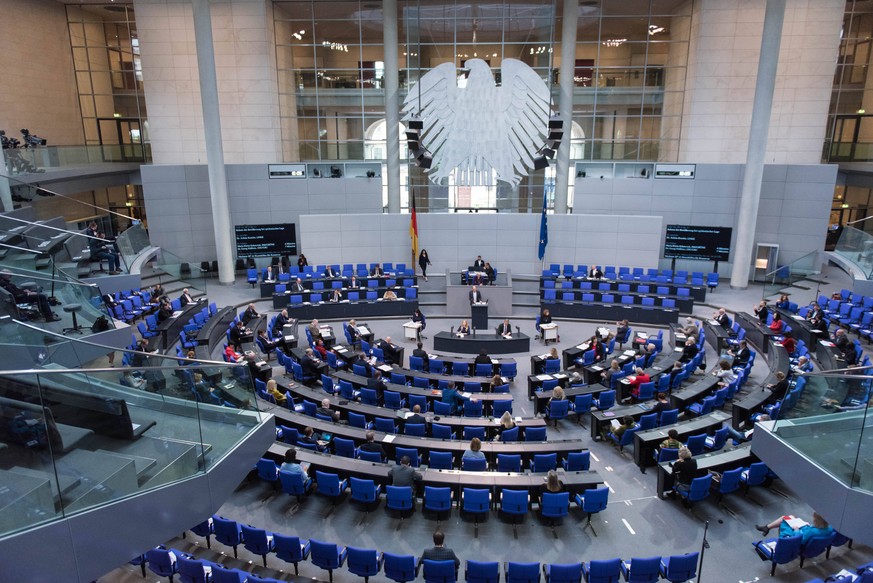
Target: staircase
{"type": "Point", "coordinates": [525, 295]}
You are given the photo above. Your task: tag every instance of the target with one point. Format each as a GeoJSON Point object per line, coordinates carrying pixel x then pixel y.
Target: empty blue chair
{"type": "Point", "coordinates": [695, 443]}
{"type": "Point", "coordinates": [679, 568]}
{"type": "Point", "coordinates": [440, 460]}
{"type": "Point", "coordinates": [258, 541]}
{"type": "Point", "coordinates": [535, 434]}
{"type": "Point", "coordinates": [577, 461]}
{"type": "Point", "coordinates": [785, 550]}
{"type": "Point", "coordinates": [648, 421]}
{"type": "Point", "coordinates": [192, 570]}
{"type": "Point", "coordinates": [363, 562]}
{"type": "Point", "coordinates": [482, 572]}
{"type": "Point", "coordinates": [515, 503]}
{"type": "Point", "coordinates": [398, 498]}
{"type": "Point", "coordinates": [641, 570]}
{"type": "Point", "coordinates": [415, 429]}
{"type": "Point", "coordinates": [393, 400]}
{"type": "Point", "coordinates": [290, 549]}
{"type": "Point", "coordinates": [605, 401]}
{"type": "Point", "coordinates": [476, 501]}
{"type": "Point", "coordinates": [162, 562]}
{"type": "Point", "coordinates": [544, 462]}
{"type": "Point", "coordinates": [400, 568]}
{"type": "Point", "coordinates": [522, 572]}
{"type": "Point", "coordinates": [730, 482]}
{"type": "Point", "coordinates": [507, 462]}
{"type": "Point", "coordinates": [439, 571]}
{"type": "Point", "coordinates": [327, 556]}
{"type": "Point", "coordinates": [563, 573]}
{"type": "Point", "coordinates": [602, 571]}
{"type": "Point", "coordinates": [440, 431]}
{"type": "Point", "coordinates": [365, 491]}
{"type": "Point", "coordinates": [591, 502]}
{"type": "Point", "coordinates": [472, 408]}
{"type": "Point", "coordinates": [508, 370]}
{"type": "Point", "coordinates": [206, 530]}
{"type": "Point", "coordinates": [329, 485]}
{"type": "Point", "coordinates": [668, 417]}
{"type": "Point", "coordinates": [384, 425]}
{"type": "Point", "coordinates": [227, 532]}
{"type": "Point", "coordinates": [438, 500]}
{"type": "Point", "coordinates": [345, 447]}
{"type": "Point", "coordinates": [358, 420]}
{"type": "Point", "coordinates": [554, 505]}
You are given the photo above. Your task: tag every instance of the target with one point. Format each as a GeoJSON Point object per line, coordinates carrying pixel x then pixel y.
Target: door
{"type": "Point", "coordinates": [121, 139]}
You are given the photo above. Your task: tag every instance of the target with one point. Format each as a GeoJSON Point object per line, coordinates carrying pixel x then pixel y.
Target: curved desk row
{"type": "Point", "coordinates": [757, 333]}
{"type": "Point", "coordinates": [613, 312]}
{"type": "Point", "coordinates": [168, 330]}
{"type": "Point", "coordinates": [345, 310]}
{"type": "Point", "coordinates": [684, 304]}
{"type": "Point", "coordinates": [698, 292]}
{"type": "Point", "coordinates": [327, 284]}
{"type": "Point", "coordinates": [753, 402]}
{"type": "Point", "coordinates": [717, 461]}
{"type": "Point", "coordinates": [574, 482]}
{"type": "Point", "coordinates": [345, 406]}
{"type": "Point", "coordinates": [646, 442]}
{"type": "Point", "coordinates": [489, 342]}
{"type": "Point", "coordinates": [425, 445]}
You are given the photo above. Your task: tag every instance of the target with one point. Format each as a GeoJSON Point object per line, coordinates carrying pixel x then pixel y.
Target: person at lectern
{"type": "Point", "coordinates": [475, 295]}
{"type": "Point", "coordinates": [504, 329]}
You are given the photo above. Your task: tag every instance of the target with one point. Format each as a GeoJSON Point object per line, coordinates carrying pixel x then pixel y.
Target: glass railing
{"type": "Point", "coordinates": [32, 294]}
{"type": "Point", "coordinates": [856, 246]}
{"type": "Point", "coordinates": [848, 151]}
{"type": "Point", "coordinates": [830, 423]}
{"type": "Point", "coordinates": [20, 161]}
{"type": "Point", "coordinates": [132, 242]}
{"type": "Point", "coordinates": [175, 267]}
{"type": "Point", "coordinates": [77, 439]}
{"type": "Point", "coordinates": [787, 275]}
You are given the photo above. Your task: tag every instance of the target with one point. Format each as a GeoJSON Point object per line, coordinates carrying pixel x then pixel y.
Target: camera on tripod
{"type": "Point", "coordinates": [31, 140]}
{"type": "Point", "coordinates": [8, 143]}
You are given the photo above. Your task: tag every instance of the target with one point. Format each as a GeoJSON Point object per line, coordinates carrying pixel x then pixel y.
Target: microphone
{"type": "Point", "coordinates": [452, 330]}
{"type": "Point", "coordinates": [474, 331]}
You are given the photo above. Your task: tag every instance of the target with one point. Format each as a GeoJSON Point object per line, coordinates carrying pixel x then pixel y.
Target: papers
{"type": "Point", "coordinates": [597, 368]}
{"type": "Point", "coordinates": [559, 375]}
{"type": "Point", "coordinates": [551, 326]}
{"type": "Point", "coordinates": [385, 368]}
{"type": "Point", "coordinates": [615, 423]}
{"type": "Point", "coordinates": [544, 377]}
{"type": "Point", "coordinates": [827, 343]}
{"type": "Point", "coordinates": [583, 346]}
{"type": "Point", "coordinates": [389, 438]}
{"type": "Point", "coordinates": [494, 361]}
{"type": "Point", "coordinates": [796, 523]}
{"type": "Point", "coordinates": [363, 330]}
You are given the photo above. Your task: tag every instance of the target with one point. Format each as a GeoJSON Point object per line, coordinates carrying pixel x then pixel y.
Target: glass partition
{"type": "Point", "coordinates": [787, 275]}
{"type": "Point", "coordinates": [857, 246]}
{"type": "Point", "coordinates": [828, 420]}
{"type": "Point", "coordinates": [74, 439]}
{"type": "Point", "coordinates": [132, 242]}
{"type": "Point", "coordinates": [21, 161]}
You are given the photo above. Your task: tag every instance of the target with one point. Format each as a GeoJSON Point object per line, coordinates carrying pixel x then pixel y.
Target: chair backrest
{"type": "Point", "coordinates": [412, 452]}
{"type": "Point", "coordinates": [595, 499]}
{"type": "Point", "coordinates": [535, 434]}
{"type": "Point", "coordinates": [543, 462]}
{"type": "Point", "coordinates": [384, 425]}
{"type": "Point", "coordinates": [437, 498]}
{"type": "Point", "coordinates": [482, 572]}
{"type": "Point", "coordinates": [559, 409]}
{"type": "Point", "coordinates": [695, 443]}
{"type": "Point", "coordinates": [730, 481]}
{"type": "Point", "coordinates": [370, 456]}
{"type": "Point", "coordinates": [606, 400]}
{"type": "Point", "coordinates": [787, 549]}
{"type": "Point", "coordinates": [440, 460]}
{"type": "Point", "coordinates": [507, 462]}
{"type": "Point", "coordinates": [522, 572]}
{"type": "Point", "coordinates": [643, 570]}
{"type": "Point", "coordinates": [565, 573]}
{"type": "Point", "coordinates": [328, 484]}
{"type": "Point", "coordinates": [255, 539]}
{"type": "Point", "coordinates": [577, 461]}
{"type": "Point", "coordinates": [438, 430]}
{"type": "Point", "coordinates": [700, 487]}
{"type": "Point", "coordinates": [439, 571]}
{"type": "Point", "coordinates": [509, 435]}
{"type": "Point", "coordinates": [680, 567]}
{"type": "Point", "coordinates": [324, 554]}
{"type": "Point", "coordinates": [555, 504]}
{"type": "Point", "coordinates": [648, 421]}
{"type": "Point", "coordinates": [816, 545]}
{"type": "Point", "coordinates": [416, 429]}
{"type": "Point", "coordinates": [400, 568]}
{"type": "Point", "coordinates": [474, 464]}
{"type": "Point", "coordinates": [344, 447]}
{"type": "Point", "coordinates": [667, 454]}
{"type": "Point", "coordinates": [362, 562]}
{"type": "Point", "coordinates": [608, 571]}
{"type": "Point", "coordinates": [227, 532]}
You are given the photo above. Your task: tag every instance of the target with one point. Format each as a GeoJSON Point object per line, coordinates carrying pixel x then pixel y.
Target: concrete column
{"type": "Point", "coordinates": [392, 103]}
{"type": "Point", "coordinates": [5, 192]}
{"type": "Point", "coordinates": [765, 85]}
{"type": "Point", "coordinates": [212, 131]}
{"type": "Point", "coordinates": [565, 106]}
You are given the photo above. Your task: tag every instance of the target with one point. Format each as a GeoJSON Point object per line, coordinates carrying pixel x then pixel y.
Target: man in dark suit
{"type": "Point", "coordinates": [250, 314]}
{"type": "Point", "coordinates": [353, 283]}
{"type": "Point", "coordinates": [595, 272]}
{"type": "Point", "coordinates": [185, 298]}
{"type": "Point", "coordinates": [362, 360]}
{"type": "Point", "coordinates": [297, 286]}
{"type": "Point", "coordinates": [482, 358]}
{"type": "Point", "coordinates": [309, 437]}
{"type": "Point", "coordinates": [416, 416]}
{"type": "Point", "coordinates": [377, 271]}
{"type": "Point", "coordinates": [236, 335]}
{"type": "Point", "coordinates": [390, 351]}
{"type": "Point", "coordinates": [504, 329]}
{"type": "Point", "coordinates": [403, 474]}
{"type": "Point", "coordinates": [377, 383]}
{"type": "Point", "coordinates": [311, 365]}
{"type": "Point", "coordinates": [742, 354]}
{"type": "Point", "coordinates": [440, 552]}
{"type": "Point", "coordinates": [281, 320]}
{"type": "Point", "coordinates": [327, 411]}
{"type": "Point", "coordinates": [371, 445]}
{"type": "Point", "coordinates": [419, 351]}
{"type": "Point", "coordinates": [475, 295]}
{"type": "Point", "coordinates": [722, 318]}
{"type": "Point", "coordinates": [329, 272]}
{"type": "Point", "coordinates": [689, 352]}
{"type": "Point", "coordinates": [478, 265]}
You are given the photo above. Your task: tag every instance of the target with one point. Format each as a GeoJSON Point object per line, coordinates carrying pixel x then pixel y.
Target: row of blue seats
{"type": "Point", "coordinates": [347, 270]}
{"type": "Point", "coordinates": [620, 288]}
{"type": "Point", "coordinates": [409, 293]}
{"type": "Point", "coordinates": [128, 305]}
{"type": "Point", "coordinates": [863, 574]}
{"type": "Point", "coordinates": [368, 563]}
{"type": "Point", "coordinates": [680, 276]}
{"type": "Point", "coordinates": [551, 295]}
{"type": "Point", "coordinates": [782, 550]}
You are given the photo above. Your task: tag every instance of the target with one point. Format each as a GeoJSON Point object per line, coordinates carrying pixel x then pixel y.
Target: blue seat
{"type": "Point", "coordinates": [627, 438]}
{"type": "Point", "coordinates": [345, 448]}
{"type": "Point", "coordinates": [509, 435]}
{"type": "Point", "coordinates": [358, 420]}
{"type": "Point", "coordinates": [295, 484]}
{"type": "Point", "coordinates": [206, 530]}
{"type": "Point", "coordinates": [666, 454]}
{"type": "Point", "coordinates": [227, 532]}
{"type": "Point", "coordinates": [515, 503]}
{"type": "Point", "coordinates": [290, 549]}
{"type": "Point", "coordinates": [648, 421]}
{"type": "Point", "coordinates": [370, 456]}
{"type": "Point", "coordinates": [668, 417]}
{"type": "Point", "coordinates": [563, 573]}
{"type": "Point", "coordinates": [369, 397]}
{"type": "Point", "coordinates": [558, 410]}
{"type": "Point", "coordinates": [730, 482]}
{"type": "Point", "coordinates": [815, 546]}
{"type": "Point", "coordinates": [508, 370]}
{"type": "Point", "coordinates": [471, 432]}
{"type": "Point", "coordinates": [398, 498]}
{"type": "Point", "coordinates": [695, 443]}
{"type": "Point", "coordinates": [555, 505]}
{"type": "Point", "coordinates": [258, 541]}
{"type": "Point", "coordinates": [161, 563]}
{"type": "Point", "coordinates": [593, 501]}
{"type": "Point", "coordinates": [384, 425]}
{"type": "Point", "coordinates": [400, 568]}
{"type": "Point", "coordinates": [679, 568]}
{"type": "Point", "coordinates": [415, 429]}
{"type": "Point", "coordinates": [440, 431]}
{"type": "Point", "coordinates": [366, 492]}
{"type": "Point", "coordinates": [577, 461]}
{"type": "Point", "coordinates": [535, 434]}
{"type": "Point", "coordinates": [544, 462]}
{"type": "Point", "coordinates": [482, 572]}
{"type": "Point", "coordinates": [192, 570]}
{"type": "Point", "coordinates": [785, 550]}
{"type": "Point", "coordinates": [472, 408]}
{"type": "Point", "coordinates": [440, 460]}
{"type": "Point", "coordinates": [484, 370]}
{"type": "Point", "coordinates": [476, 501]}
{"type": "Point", "coordinates": [268, 471]}
{"type": "Point", "coordinates": [717, 441]}
{"type": "Point", "coordinates": [602, 571]}
{"type": "Point", "coordinates": [438, 500]}
{"type": "Point", "coordinates": [330, 485]}
{"type": "Point", "coordinates": [327, 556]}
{"type": "Point", "coordinates": [363, 562]}
{"type": "Point", "coordinates": [411, 453]}
{"type": "Point", "coordinates": [605, 401]}
{"type": "Point", "coordinates": [439, 571]}
{"type": "Point", "coordinates": [498, 408]}
{"type": "Point", "coordinates": [474, 464]}
{"type": "Point", "coordinates": [699, 490]}
{"type": "Point", "coordinates": [522, 572]}
{"type": "Point", "coordinates": [508, 462]}
{"type": "Point", "coordinates": [393, 400]}
{"type": "Point", "coordinates": [641, 570]}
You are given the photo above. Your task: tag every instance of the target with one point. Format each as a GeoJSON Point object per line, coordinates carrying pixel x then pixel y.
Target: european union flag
{"type": "Point", "coordinates": [544, 231]}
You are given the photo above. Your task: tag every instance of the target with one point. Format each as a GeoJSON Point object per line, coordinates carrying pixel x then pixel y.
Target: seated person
{"type": "Point", "coordinates": [22, 296]}
{"type": "Point", "coordinates": [777, 324]}
{"type": "Point", "coordinates": [327, 411]}
{"type": "Point", "coordinates": [310, 437]}
{"type": "Point", "coordinates": [265, 344]}
{"type": "Point", "coordinates": [557, 395]}
{"type": "Point", "coordinates": [677, 369]}
{"type": "Point", "coordinates": [690, 328]}
{"type": "Point", "coordinates": [690, 350]}
{"type": "Point", "coordinates": [761, 311]}
{"type": "Point", "coordinates": [311, 364]}
{"type": "Point", "coordinates": [419, 351]}
{"type": "Point", "coordinates": [320, 349]}
{"type": "Point", "coordinates": [599, 350]}
{"type": "Point", "coordinates": [780, 388]}
{"type": "Point", "coordinates": [504, 329]}
{"type": "Point", "coordinates": [478, 264]}
{"type": "Point", "coordinates": [722, 318]}
{"type": "Point", "coordinates": [684, 471]}
{"type": "Point", "coordinates": [232, 355]}
{"type": "Point", "coordinates": [621, 330]}
{"type": "Point", "coordinates": [329, 272]}
{"type": "Point", "coordinates": [552, 484]}
{"type": "Point", "coordinates": [672, 441]}
{"type": "Point", "coordinates": [403, 474]}
{"type": "Point", "coordinates": [803, 365]}
{"type": "Point", "coordinates": [490, 276]}
{"type": "Point", "coordinates": [650, 352]}
{"type": "Point", "coordinates": [783, 303]}
{"type": "Point", "coordinates": [416, 417]}
{"type": "Point", "coordinates": [451, 396]}
{"type": "Point", "coordinates": [336, 296]}
{"type": "Point", "coordinates": [250, 314]}
{"type": "Point", "coordinates": [475, 451]}
{"type": "Point", "coordinates": [389, 295]}
{"type": "Point", "coordinates": [269, 275]}
{"type": "Point", "coordinates": [354, 334]}
{"type": "Point", "coordinates": [496, 381]}
{"type": "Point", "coordinates": [463, 328]}
{"type": "Point", "coordinates": [606, 376]}
{"type": "Point", "coordinates": [789, 343]}
{"type": "Point", "coordinates": [741, 354]}
{"type": "Point", "coordinates": [314, 329]}
{"type": "Point", "coordinates": [236, 335]}
{"type": "Point", "coordinates": [377, 271]}
{"type": "Point", "coordinates": [439, 552]}
{"type": "Point", "coordinates": [282, 320]}
{"type": "Point", "coordinates": [273, 390]}
{"type": "Point", "coordinates": [165, 310]}
{"type": "Point", "coordinates": [595, 272]}
{"type": "Point", "coordinates": [372, 445]}
{"type": "Point", "coordinates": [506, 422]}
{"type": "Point", "coordinates": [101, 248]}
{"type": "Point", "coordinates": [661, 404]}
{"type": "Point", "coordinates": [377, 383]}
{"type": "Point", "coordinates": [291, 465]}
{"type": "Point", "coordinates": [818, 528]}
{"type": "Point", "coordinates": [202, 388]}
{"type": "Point", "coordinates": [553, 354]}
{"type": "Point", "coordinates": [297, 286]}
{"type": "Point", "coordinates": [353, 283]}
{"type": "Point", "coordinates": [391, 352]}
{"type": "Point", "coordinates": [482, 357]}
{"type": "Point", "coordinates": [185, 298]}
{"type": "Point", "coordinates": [725, 373]}
{"type": "Point", "coordinates": [627, 422]}
{"type": "Point", "coordinates": [361, 359]}
{"type": "Point", "coordinates": [639, 378]}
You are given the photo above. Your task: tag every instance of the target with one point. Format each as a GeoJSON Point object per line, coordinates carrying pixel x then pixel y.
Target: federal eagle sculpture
{"type": "Point", "coordinates": [482, 126]}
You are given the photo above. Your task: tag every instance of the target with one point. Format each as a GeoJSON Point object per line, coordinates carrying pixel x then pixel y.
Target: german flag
{"type": "Point", "coordinates": [413, 229]}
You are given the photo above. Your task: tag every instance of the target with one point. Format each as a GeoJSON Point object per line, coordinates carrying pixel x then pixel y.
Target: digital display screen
{"type": "Point", "coordinates": [265, 240]}
{"type": "Point", "coordinates": [693, 242]}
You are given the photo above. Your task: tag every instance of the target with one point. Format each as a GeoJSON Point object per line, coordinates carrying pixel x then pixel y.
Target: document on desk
{"type": "Point", "coordinates": [466, 395]}
{"type": "Point", "coordinates": [385, 368]}
{"type": "Point", "coordinates": [494, 361]}
{"type": "Point", "coordinates": [544, 377]}
{"type": "Point", "coordinates": [389, 438]}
